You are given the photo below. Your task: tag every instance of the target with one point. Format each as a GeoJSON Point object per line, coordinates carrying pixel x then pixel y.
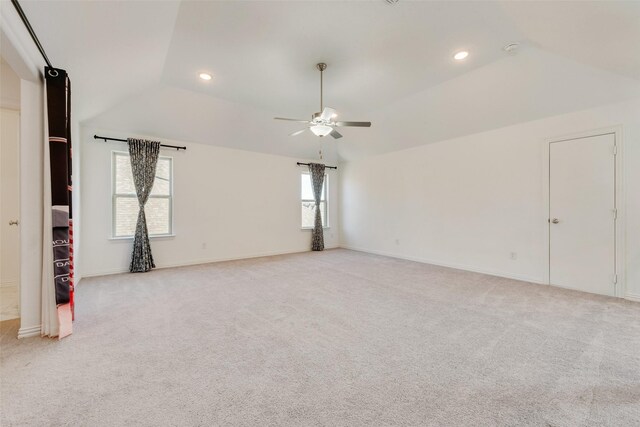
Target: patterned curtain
{"type": "Point", "coordinates": [317, 179]}
{"type": "Point", "coordinates": [144, 158]}
{"type": "Point", "coordinates": [57, 277]}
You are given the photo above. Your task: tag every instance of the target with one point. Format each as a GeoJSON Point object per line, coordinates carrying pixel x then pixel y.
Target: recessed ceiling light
{"type": "Point", "coordinates": [205, 76]}
{"type": "Point", "coordinates": [461, 55]}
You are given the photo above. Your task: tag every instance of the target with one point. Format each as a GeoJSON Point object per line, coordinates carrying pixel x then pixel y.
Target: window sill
{"type": "Point", "coordinates": [159, 236]}
{"type": "Point", "coordinates": [311, 228]}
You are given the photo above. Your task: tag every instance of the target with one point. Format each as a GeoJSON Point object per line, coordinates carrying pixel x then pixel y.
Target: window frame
{"type": "Point", "coordinates": [326, 224]}
{"type": "Point", "coordinates": [115, 196]}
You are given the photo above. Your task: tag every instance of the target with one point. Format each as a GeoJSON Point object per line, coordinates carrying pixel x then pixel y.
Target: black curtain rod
{"type": "Point", "coordinates": [31, 32]}
{"type": "Point", "coordinates": [177, 147]}
{"type": "Point", "coordinates": [326, 167]}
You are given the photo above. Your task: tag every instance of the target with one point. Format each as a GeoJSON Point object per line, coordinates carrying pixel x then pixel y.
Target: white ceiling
{"type": "Point", "coordinates": [112, 50]}
{"type": "Point", "coordinates": [264, 53]}
{"type": "Point", "coordinates": [134, 66]}
{"type": "Point", "coordinates": [604, 34]}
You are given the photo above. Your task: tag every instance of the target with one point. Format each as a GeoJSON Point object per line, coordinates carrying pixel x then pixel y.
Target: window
{"type": "Point", "coordinates": [159, 207]}
{"type": "Point", "coordinates": [308, 202]}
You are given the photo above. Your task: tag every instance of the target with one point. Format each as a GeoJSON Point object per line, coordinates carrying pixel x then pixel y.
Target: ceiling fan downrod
{"type": "Point", "coordinates": [323, 122]}
{"type": "Point", "coordinates": [321, 66]}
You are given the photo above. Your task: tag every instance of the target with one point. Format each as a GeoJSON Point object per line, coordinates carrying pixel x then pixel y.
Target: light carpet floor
{"type": "Point", "coordinates": [337, 338]}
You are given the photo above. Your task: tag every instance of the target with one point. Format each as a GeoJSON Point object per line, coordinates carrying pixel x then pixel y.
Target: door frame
{"type": "Point", "coordinates": [20, 52]}
{"type": "Point", "coordinates": [620, 287]}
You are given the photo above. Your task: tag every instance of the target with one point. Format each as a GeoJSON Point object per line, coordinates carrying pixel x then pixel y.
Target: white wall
{"type": "Point", "coordinates": [9, 87]}
{"type": "Point", "coordinates": [469, 202]}
{"type": "Point", "coordinates": [238, 204]}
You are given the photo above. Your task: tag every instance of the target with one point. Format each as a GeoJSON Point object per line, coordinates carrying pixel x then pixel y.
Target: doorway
{"type": "Point", "coordinates": [583, 213]}
{"type": "Point", "coordinates": [9, 214]}
{"type": "Point", "coordinates": [9, 192]}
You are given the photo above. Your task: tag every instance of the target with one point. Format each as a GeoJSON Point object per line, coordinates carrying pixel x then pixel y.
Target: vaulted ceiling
{"type": "Point", "coordinates": [135, 65]}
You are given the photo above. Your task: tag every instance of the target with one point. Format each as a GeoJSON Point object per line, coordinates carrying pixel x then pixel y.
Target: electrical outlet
{"type": "Point", "coordinates": [514, 255]}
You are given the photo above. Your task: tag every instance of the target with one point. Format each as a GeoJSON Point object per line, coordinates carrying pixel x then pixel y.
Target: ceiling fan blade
{"type": "Point", "coordinates": [328, 113]}
{"type": "Point", "coordinates": [298, 132]}
{"type": "Point", "coordinates": [291, 120]}
{"type": "Point", "coordinates": [357, 124]}
{"type": "Point", "coordinates": [335, 134]}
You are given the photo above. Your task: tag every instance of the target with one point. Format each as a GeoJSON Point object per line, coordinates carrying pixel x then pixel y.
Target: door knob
{"type": "Point", "coordinates": [555, 220]}
{"type": "Point", "coordinates": [13, 222]}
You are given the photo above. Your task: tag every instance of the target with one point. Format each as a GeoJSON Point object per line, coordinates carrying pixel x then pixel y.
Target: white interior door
{"type": "Point", "coordinates": [9, 213]}
{"type": "Point", "coordinates": [582, 225]}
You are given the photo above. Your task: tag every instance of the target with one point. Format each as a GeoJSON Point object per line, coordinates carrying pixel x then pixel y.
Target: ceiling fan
{"type": "Point", "coordinates": [323, 123]}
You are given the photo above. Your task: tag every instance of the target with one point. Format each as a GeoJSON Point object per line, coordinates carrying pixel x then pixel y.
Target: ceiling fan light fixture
{"type": "Point", "coordinates": [321, 130]}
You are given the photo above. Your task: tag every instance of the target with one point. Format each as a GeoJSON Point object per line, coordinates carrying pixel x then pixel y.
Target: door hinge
{"type": "Point", "coordinates": [615, 214]}
{"type": "Point", "coordinates": [615, 279]}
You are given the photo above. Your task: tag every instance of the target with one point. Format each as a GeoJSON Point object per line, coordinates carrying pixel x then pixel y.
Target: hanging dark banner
{"type": "Point", "coordinates": [58, 89]}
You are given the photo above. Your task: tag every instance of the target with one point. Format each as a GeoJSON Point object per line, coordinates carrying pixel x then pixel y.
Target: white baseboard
{"type": "Point", "coordinates": [632, 297]}
{"type": "Point", "coordinates": [29, 331]}
{"type": "Point", "coordinates": [464, 267]}
{"type": "Point", "coordinates": [203, 261]}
